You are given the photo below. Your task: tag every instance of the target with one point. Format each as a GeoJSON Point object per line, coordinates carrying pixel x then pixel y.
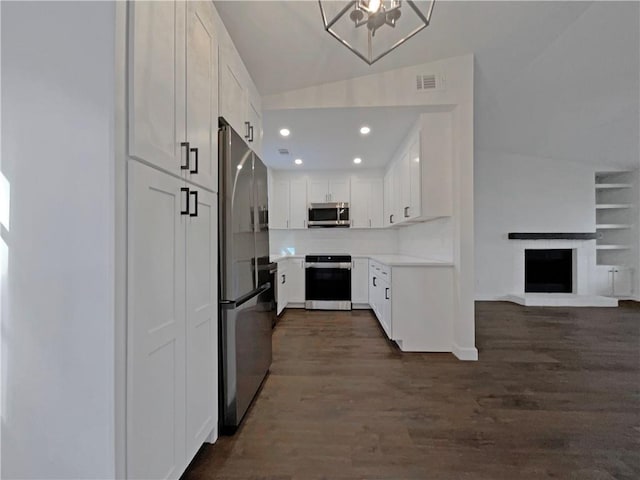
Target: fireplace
{"type": "Point", "coordinates": [548, 270]}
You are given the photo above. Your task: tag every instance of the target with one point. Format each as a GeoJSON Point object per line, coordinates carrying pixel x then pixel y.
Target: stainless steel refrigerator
{"type": "Point", "coordinates": [247, 305]}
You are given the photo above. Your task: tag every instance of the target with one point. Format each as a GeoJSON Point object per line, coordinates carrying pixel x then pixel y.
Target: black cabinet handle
{"type": "Point", "coordinates": [195, 201]}
{"type": "Point", "coordinates": [386, 294]}
{"type": "Point", "coordinates": [186, 146]}
{"type": "Point", "coordinates": [390, 218]}
{"type": "Point", "coordinates": [195, 169]}
{"type": "Point", "coordinates": [186, 199]}
{"type": "Point", "coordinates": [406, 210]}
{"type": "Point", "coordinates": [247, 124]}
{"type": "Point", "coordinates": [374, 282]}
{"type": "Point", "coordinates": [284, 279]}
{"type": "Point", "coordinates": [251, 133]}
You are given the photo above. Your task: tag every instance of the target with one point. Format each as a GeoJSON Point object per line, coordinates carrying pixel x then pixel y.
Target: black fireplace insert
{"type": "Point", "coordinates": [548, 271]}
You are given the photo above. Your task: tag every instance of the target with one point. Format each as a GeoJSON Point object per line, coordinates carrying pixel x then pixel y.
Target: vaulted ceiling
{"type": "Point", "coordinates": [553, 79]}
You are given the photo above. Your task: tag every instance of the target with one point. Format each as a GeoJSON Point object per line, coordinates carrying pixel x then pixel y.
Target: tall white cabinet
{"type": "Point", "coordinates": [172, 224]}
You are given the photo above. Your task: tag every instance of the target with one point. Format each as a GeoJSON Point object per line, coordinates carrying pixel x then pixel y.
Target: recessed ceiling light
{"type": "Point", "coordinates": [357, 160]}
{"type": "Point", "coordinates": [297, 161]}
{"type": "Point", "coordinates": [284, 132]}
{"type": "Point", "coordinates": [364, 130]}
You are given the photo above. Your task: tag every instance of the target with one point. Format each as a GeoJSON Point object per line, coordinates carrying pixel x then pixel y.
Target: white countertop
{"type": "Point", "coordinates": [385, 259]}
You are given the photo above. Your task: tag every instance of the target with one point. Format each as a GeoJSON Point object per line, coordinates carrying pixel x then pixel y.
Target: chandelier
{"type": "Point", "coordinates": [356, 23]}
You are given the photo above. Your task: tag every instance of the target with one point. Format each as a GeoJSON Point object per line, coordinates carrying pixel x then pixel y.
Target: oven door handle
{"type": "Point", "coordinates": [338, 265]}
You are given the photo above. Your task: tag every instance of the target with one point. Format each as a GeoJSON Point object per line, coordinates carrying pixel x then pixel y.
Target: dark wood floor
{"type": "Point", "coordinates": [555, 395]}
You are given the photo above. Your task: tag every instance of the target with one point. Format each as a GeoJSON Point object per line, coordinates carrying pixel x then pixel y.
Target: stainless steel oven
{"type": "Point", "coordinates": [334, 214]}
{"type": "Point", "coordinates": [328, 282]}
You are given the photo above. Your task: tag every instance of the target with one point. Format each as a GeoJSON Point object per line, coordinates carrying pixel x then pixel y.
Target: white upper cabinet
{"type": "Point", "coordinates": [202, 96]}
{"type": "Point", "coordinates": [232, 93]}
{"type": "Point", "coordinates": [255, 125]}
{"type": "Point", "coordinates": [366, 203]}
{"type": "Point", "coordinates": [173, 105]}
{"type": "Point", "coordinates": [240, 103]}
{"type": "Point", "coordinates": [323, 190]}
{"type": "Point", "coordinates": [157, 84]}
{"type": "Point", "coordinates": [418, 183]}
{"type": "Point", "coordinates": [279, 213]}
{"type": "Point", "coordinates": [288, 204]}
{"type": "Point", "coordinates": [298, 203]}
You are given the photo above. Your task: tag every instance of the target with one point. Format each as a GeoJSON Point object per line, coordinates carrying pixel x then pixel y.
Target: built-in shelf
{"type": "Point", "coordinates": [604, 186]}
{"type": "Point", "coordinates": [609, 206]}
{"type": "Point", "coordinates": [613, 247]}
{"type": "Point", "coordinates": [613, 226]}
{"type": "Point", "coordinates": [615, 220]}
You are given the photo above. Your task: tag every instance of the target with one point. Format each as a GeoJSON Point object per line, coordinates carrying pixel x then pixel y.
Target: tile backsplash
{"type": "Point", "coordinates": [333, 240]}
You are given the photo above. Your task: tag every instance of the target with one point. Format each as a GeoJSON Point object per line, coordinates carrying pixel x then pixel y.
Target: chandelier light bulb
{"type": "Point", "coordinates": [373, 6]}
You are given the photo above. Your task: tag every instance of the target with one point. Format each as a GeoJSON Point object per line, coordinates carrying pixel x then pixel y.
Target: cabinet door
{"type": "Point", "coordinates": [282, 287]}
{"type": "Point", "coordinates": [404, 187]}
{"type": "Point", "coordinates": [202, 95]}
{"type": "Point", "coordinates": [376, 198]}
{"type": "Point", "coordinates": [603, 284]}
{"type": "Point", "coordinates": [295, 281]}
{"type": "Point", "coordinates": [156, 324]}
{"type": "Point", "coordinates": [318, 191]}
{"type": "Point", "coordinates": [232, 92]}
{"type": "Point", "coordinates": [340, 190]}
{"type": "Point", "coordinates": [255, 125]}
{"type": "Point", "coordinates": [385, 317]}
{"type": "Point", "coordinates": [279, 214]}
{"type": "Point", "coordinates": [298, 203]}
{"type": "Point", "coordinates": [360, 281]}
{"type": "Point", "coordinates": [359, 208]}
{"type": "Point", "coordinates": [156, 85]}
{"type": "Point", "coordinates": [622, 281]}
{"type": "Point", "coordinates": [202, 319]}
{"type": "Point", "coordinates": [415, 179]}
{"type": "Point", "coordinates": [389, 197]}
{"type": "Point", "coordinates": [374, 288]}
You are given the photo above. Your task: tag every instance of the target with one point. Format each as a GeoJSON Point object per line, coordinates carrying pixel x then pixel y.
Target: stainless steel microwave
{"type": "Point", "coordinates": [334, 214]}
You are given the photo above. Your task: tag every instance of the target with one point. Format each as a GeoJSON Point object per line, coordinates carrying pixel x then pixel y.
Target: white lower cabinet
{"type": "Point", "coordinates": [291, 282]}
{"type": "Point", "coordinates": [172, 322]}
{"type": "Point", "coordinates": [296, 281]}
{"type": "Point", "coordinates": [282, 287]}
{"type": "Point", "coordinates": [414, 305]}
{"type": "Point", "coordinates": [360, 281]}
{"type": "Point", "coordinates": [614, 281]}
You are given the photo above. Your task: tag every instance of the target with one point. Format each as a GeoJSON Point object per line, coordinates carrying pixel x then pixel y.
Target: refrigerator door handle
{"type": "Point", "coordinates": [231, 304]}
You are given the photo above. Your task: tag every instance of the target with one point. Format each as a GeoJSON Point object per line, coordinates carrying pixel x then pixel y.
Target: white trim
{"type": "Point", "coordinates": [490, 298]}
{"type": "Point", "coordinates": [465, 353]}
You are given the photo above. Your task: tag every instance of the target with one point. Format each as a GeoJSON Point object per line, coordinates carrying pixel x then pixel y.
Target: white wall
{"type": "Point", "coordinates": [433, 239]}
{"type": "Point", "coordinates": [57, 308]}
{"type": "Point", "coordinates": [333, 240]}
{"type": "Point", "coordinates": [517, 193]}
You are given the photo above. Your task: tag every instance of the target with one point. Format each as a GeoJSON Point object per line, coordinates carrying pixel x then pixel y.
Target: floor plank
{"type": "Point", "coordinates": [555, 394]}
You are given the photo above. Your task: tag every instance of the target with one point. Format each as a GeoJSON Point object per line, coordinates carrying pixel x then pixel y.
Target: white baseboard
{"type": "Point", "coordinates": [213, 436]}
{"type": "Point", "coordinates": [466, 353]}
{"type": "Point", "coordinates": [490, 298]}
{"type": "Point", "coordinates": [360, 306]}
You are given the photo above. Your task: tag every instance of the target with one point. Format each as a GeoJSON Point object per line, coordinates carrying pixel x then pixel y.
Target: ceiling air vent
{"type": "Point", "coordinates": [283, 151]}
{"type": "Point", "coordinates": [426, 82]}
